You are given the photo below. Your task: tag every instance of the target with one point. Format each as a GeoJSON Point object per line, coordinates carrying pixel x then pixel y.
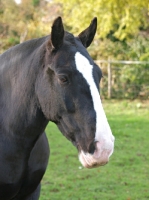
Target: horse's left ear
{"type": "Point", "coordinates": [57, 33]}
{"type": "Point", "coordinates": [88, 34]}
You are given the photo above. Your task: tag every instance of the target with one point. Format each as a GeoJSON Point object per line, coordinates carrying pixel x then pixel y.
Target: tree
{"type": "Point", "coordinates": [121, 19]}
{"type": "Point", "coordinates": [19, 22]}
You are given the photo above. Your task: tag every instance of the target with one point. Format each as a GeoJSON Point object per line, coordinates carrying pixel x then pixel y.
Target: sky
{"type": "Point", "coordinates": [18, 1]}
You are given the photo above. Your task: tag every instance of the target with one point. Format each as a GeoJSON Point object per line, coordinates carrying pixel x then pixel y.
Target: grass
{"type": "Point", "coordinates": [125, 177]}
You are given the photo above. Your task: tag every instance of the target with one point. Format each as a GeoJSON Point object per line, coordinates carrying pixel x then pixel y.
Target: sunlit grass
{"type": "Point", "coordinates": [125, 177]}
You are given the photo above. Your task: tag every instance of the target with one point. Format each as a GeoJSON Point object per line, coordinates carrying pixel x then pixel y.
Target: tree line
{"type": "Point", "coordinates": [122, 34]}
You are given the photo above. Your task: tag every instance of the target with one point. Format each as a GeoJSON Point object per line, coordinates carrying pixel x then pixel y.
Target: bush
{"type": "Point", "coordinates": [128, 81]}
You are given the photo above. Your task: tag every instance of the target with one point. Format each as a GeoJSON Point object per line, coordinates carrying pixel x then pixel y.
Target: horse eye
{"type": "Point", "coordinates": [63, 79]}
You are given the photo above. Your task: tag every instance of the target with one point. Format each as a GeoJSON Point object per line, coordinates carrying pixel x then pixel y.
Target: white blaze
{"type": "Point", "coordinates": [103, 131]}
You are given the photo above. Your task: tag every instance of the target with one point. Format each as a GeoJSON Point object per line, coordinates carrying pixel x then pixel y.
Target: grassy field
{"type": "Point", "coordinates": [125, 177]}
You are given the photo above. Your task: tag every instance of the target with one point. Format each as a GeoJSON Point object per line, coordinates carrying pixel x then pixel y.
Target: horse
{"type": "Point", "coordinates": [52, 78]}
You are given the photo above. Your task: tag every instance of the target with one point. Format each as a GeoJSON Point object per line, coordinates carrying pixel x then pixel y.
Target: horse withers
{"type": "Point", "coordinates": [52, 78]}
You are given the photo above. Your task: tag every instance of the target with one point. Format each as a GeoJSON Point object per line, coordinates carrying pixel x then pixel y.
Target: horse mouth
{"type": "Point", "coordinates": [88, 161]}
{"type": "Point", "coordinates": [99, 158]}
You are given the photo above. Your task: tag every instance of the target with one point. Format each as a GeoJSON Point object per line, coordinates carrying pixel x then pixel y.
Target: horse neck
{"type": "Point", "coordinates": [18, 100]}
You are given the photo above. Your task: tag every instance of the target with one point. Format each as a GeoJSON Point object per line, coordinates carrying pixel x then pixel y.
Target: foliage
{"type": "Point", "coordinates": [128, 81]}
{"type": "Point", "coordinates": [121, 19]}
{"type": "Point", "coordinates": [22, 22]}
{"type": "Point", "coordinates": [36, 2]}
{"type": "Point", "coordinates": [125, 177]}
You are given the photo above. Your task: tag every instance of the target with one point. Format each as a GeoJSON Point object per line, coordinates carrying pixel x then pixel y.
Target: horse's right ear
{"type": "Point", "coordinates": [57, 34]}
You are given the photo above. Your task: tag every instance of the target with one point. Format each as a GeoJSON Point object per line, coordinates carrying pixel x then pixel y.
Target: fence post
{"type": "Point", "coordinates": [109, 80]}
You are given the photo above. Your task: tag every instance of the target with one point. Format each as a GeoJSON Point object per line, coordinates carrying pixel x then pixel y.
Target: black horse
{"type": "Point", "coordinates": [49, 79]}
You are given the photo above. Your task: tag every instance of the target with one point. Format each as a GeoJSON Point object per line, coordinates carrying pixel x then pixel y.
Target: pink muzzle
{"type": "Point", "coordinates": [100, 157]}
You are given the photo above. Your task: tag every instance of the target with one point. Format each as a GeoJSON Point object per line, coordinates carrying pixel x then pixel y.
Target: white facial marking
{"type": "Point", "coordinates": [103, 131]}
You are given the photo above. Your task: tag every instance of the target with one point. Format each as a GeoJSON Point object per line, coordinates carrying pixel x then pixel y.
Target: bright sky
{"type": "Point", "coordinates": [18, 1]}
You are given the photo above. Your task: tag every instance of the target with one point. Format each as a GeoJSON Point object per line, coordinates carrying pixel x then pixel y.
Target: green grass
{"type": "Point", "coordinates": [125, 177]}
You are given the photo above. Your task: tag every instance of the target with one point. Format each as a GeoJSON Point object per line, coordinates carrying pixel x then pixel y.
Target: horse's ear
{"type": "Point", "coordinates": [57, 33]}
{"type": "Point", "coordinates": [88, 34]}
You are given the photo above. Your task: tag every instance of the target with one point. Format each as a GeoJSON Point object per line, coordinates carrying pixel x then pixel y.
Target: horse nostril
{"type": "Point", "coordinates": [92, 148]}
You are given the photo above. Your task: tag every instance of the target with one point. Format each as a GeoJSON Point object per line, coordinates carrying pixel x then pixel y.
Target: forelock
{"type": "Point", "coordinates": [70, 38]}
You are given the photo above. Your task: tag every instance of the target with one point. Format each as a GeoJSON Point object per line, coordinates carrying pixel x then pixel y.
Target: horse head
{"type": "Point", "coordinates": [68, 94]}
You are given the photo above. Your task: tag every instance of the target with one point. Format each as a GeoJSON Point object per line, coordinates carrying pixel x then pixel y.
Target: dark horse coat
{"type": "Point", "coordinates": [49, 79]}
